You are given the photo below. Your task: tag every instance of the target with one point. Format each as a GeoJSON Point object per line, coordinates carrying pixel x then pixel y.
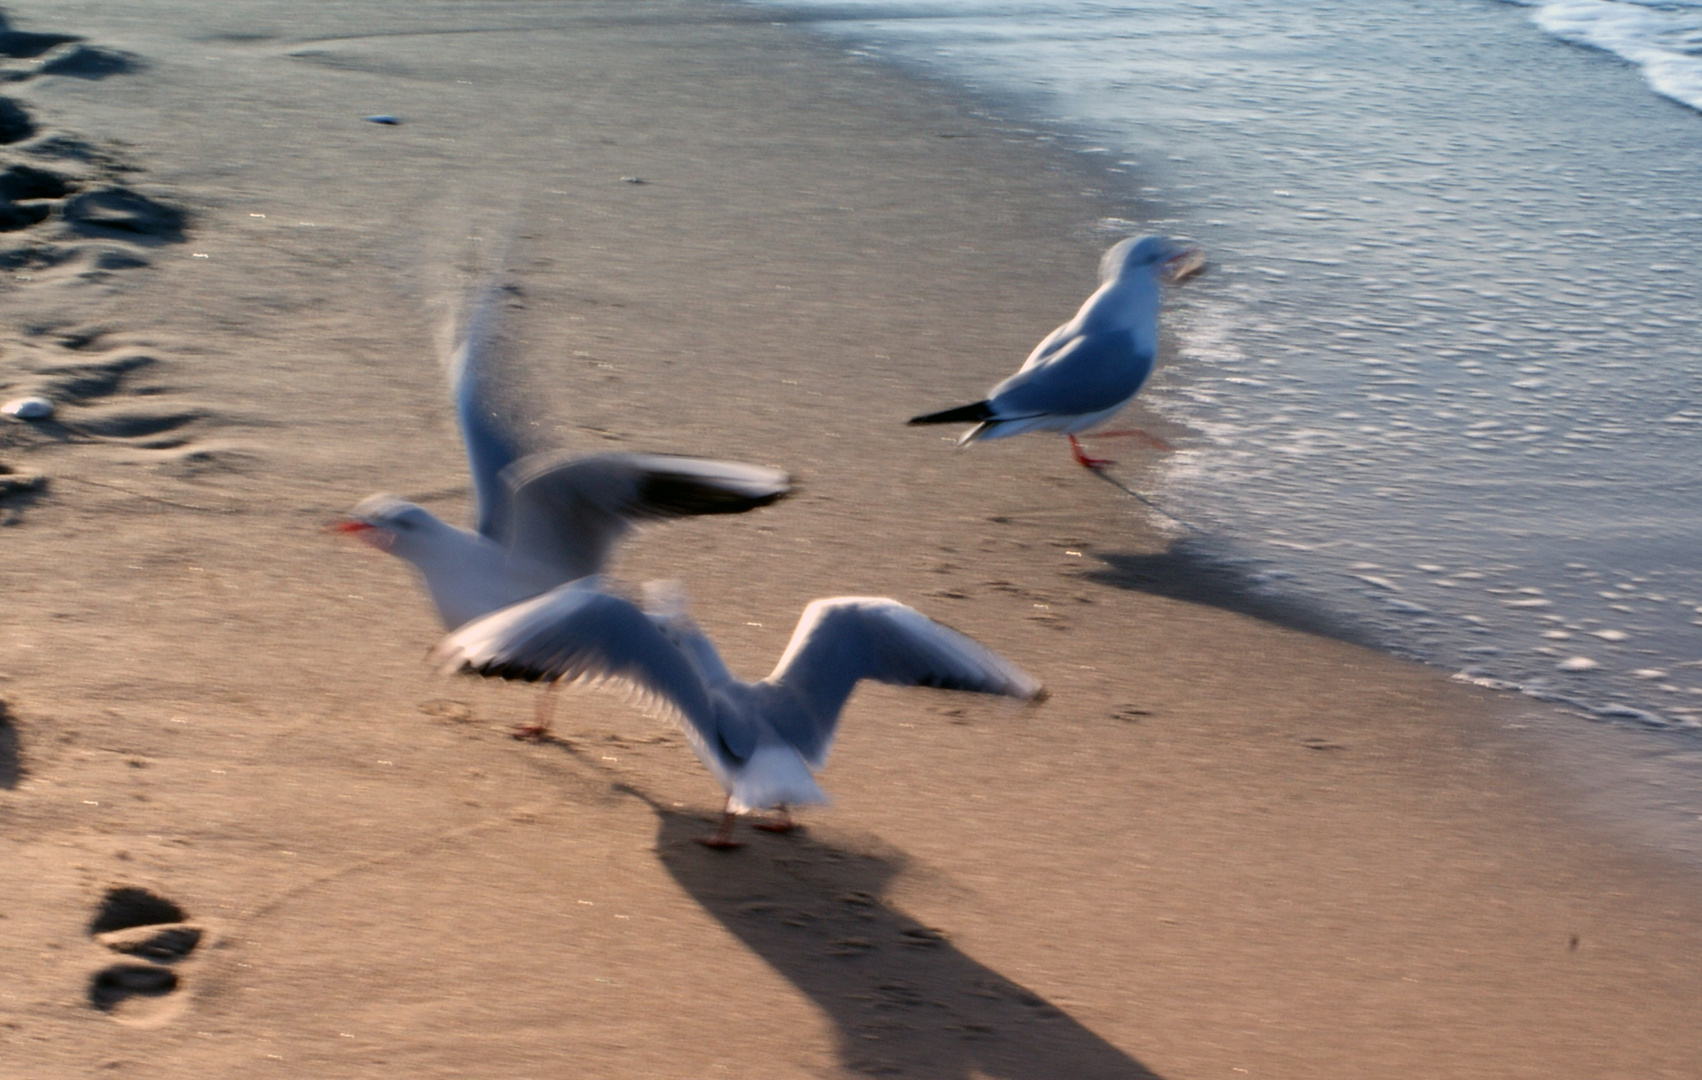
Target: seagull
{"type": "Point", "coordinates": [761, 741]}
{"type": "Point", "coordinates": [1083, 372]}
{"type": "Point", "coordinates": [540, 519]}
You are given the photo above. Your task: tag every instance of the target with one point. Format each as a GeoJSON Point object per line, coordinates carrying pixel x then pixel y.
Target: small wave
{"type": "Point", "coordinates": [1663, 38]}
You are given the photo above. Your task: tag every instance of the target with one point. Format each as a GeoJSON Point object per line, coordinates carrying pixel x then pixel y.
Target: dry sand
{"type": "Point", "coordinates": [1227, 846]}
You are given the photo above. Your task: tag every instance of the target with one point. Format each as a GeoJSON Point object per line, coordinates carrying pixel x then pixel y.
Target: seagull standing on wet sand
{"type": "Point", "coordinates": [763, 740]}
{"type": "Point", "coordinates": [542, 519]}
{"type": "Point", "coordinates": [1083, 372]}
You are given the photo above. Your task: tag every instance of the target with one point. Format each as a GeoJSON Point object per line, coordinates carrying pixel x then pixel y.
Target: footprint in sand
{"type": "Point", "coordinates": [17, 488]}
{"type": "Point", "coordinates": [66, 198]}
{"type": "Point", "coordinates": [101, 398]}
{"type": "Point", "coordinates": [56, 54]}
{"type": "Point", "coordinates": [73, 219]}
{"type": "Point", "coordinates": [80, 388]}
{"type": "Point", "coordinates": [157, 937]}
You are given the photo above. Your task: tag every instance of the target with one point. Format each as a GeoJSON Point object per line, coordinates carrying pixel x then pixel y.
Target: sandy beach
{"type": "Point", "coordinates": [1230, 844]}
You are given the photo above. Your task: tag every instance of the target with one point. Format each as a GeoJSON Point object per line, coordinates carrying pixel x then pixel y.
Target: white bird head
{"type": "Point", "coordinates": [1140, 254]}
{"type": "Point", "coordinates": [393, 525]}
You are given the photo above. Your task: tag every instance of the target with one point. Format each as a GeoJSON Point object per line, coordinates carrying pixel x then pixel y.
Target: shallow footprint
{"type": "Point", "coordinates": [117, 211]}
{"type": "Point", "coordinates": [121, 422]}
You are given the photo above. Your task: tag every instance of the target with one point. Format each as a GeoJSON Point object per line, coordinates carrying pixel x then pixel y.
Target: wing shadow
{"type": "Point", "coordinates": [904, 1001]}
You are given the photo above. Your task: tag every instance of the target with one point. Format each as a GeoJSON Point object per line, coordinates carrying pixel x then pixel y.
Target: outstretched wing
{"type": "Point", "coordinates": [848, 638]}
{"type": "Point", "coordinates": [568, 513]}
{"type": "Point", "coordinates": [492, 444]}
{"type": "Point", "coordinates": [581, 634]}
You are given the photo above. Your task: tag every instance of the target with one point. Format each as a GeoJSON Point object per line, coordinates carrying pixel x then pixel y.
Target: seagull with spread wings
{"type": "Point", "coordinates": [540, 519]}
{"type": "Point", "coordinates": [762, 741]}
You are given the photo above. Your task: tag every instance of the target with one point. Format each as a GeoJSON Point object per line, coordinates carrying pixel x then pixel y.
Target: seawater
{"type": "Point", "coordinates": [1444, 373]}
{"type": "Point", "coordinates": [1662, 37]}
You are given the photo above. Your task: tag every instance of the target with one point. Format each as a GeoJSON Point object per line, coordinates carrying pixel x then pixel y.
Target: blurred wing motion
{"type": "Point", "coordinates": [579, 634]}
{"type": "Point", "coordinates": [842, 640]}
{"type": "Point", "coordinates": [569, 513]}
{"type": "Point", "coordinates": [558, 510]}
{"type": "Point", "coordinates": [492, 443]}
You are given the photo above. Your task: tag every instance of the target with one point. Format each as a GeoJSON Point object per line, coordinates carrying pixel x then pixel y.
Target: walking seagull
{"type": "Point", "coordinates": [762, 740]}
{"type": "Point", "coordinates": [541, 519]}
{"type": "Point", "coordinates": [1083, 372]}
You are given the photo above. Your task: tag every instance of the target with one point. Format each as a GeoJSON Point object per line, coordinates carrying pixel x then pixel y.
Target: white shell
{"type": "Point", "coordinates": [28, 408]}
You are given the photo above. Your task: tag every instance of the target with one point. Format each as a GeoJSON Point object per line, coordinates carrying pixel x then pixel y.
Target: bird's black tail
{"type": "Point", "coordinates": [963, 414]}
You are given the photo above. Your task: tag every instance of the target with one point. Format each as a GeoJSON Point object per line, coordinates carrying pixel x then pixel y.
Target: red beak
{"type": "Point", "coordinates": [368, 534]}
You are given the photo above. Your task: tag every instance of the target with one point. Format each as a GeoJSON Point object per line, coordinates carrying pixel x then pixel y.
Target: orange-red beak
{"type": "Point", "coordinates": [363, 531]}
{"type": "Point", "coordinates": [1189, 264]}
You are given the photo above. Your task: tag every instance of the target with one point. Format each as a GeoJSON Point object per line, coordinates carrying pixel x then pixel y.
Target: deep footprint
{"type": "Point", "coordinates": [111, 987]}
{"type": "Point", "coordinates": [166, 944]}
{"type": "Point", "coordinates": [152, 929]}
{"type": "Point", "coordinates": [15, 123]}
{"type": "Point", "coordinates": [23, 45]}
{"type": "Point", "coordinates": [26, 195]}
{"type": "Point", "coordinates": [130, 906]}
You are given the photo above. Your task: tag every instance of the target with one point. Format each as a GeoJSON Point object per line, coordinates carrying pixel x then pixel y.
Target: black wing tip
{"type": "Point", "coordinates": [683, 495]}
{"type": "Point", "coordinates": [497, 669]}
{"type": "Point", "coordinates": [963, 414]}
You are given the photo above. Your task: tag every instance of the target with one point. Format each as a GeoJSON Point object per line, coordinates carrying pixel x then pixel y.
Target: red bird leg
{"type": "Point", "coordinates": [539, 729]}
{"type": "Point", "coordinates": [781, 824]}
{"type": "Point", "coordinates": [1083, 460]}
{"type": "Point", "coordinates": [1136, 433]}
{"type": "Point", "coordinates": [723, 838]}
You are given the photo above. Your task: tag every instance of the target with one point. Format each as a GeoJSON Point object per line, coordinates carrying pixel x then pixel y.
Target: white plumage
{"type": "Point", "coordinates": [541, 519]}
{"type": "Point", "coordinates": [1086, 370]}
{"type": "Point", "coordinates": [760, 740]}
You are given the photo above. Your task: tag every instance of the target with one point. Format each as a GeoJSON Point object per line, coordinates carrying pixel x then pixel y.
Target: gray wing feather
{"type": "Point", "coordinates": [842, 640]}
{"type": "Point", "coordinates": [569, 513]}
{"type": "Point", "coordinates": [1049, 344]}
{"type": "Point", "coordinates": [576, 633]}
{"type": "Point", "coordinates": [1087, 374]}
{"type": "Point", "coordinates": [492, 444]}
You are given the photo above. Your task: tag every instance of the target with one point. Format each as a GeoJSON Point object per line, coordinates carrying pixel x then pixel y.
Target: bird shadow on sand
{"type": "Point", "coordinates": [1197, 573]}
{"type": "Point", "coordinates": [904, 1001]}
{"type": "Point", "coordinates": [11, 763]}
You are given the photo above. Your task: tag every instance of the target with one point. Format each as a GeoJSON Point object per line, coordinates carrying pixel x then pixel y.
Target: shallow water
{"type": "Point", "coordinates": [1445, 368]}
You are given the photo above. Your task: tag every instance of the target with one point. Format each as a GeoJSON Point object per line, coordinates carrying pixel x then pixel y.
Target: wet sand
{"type": "Point", "coordinates": [1229, 844]}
